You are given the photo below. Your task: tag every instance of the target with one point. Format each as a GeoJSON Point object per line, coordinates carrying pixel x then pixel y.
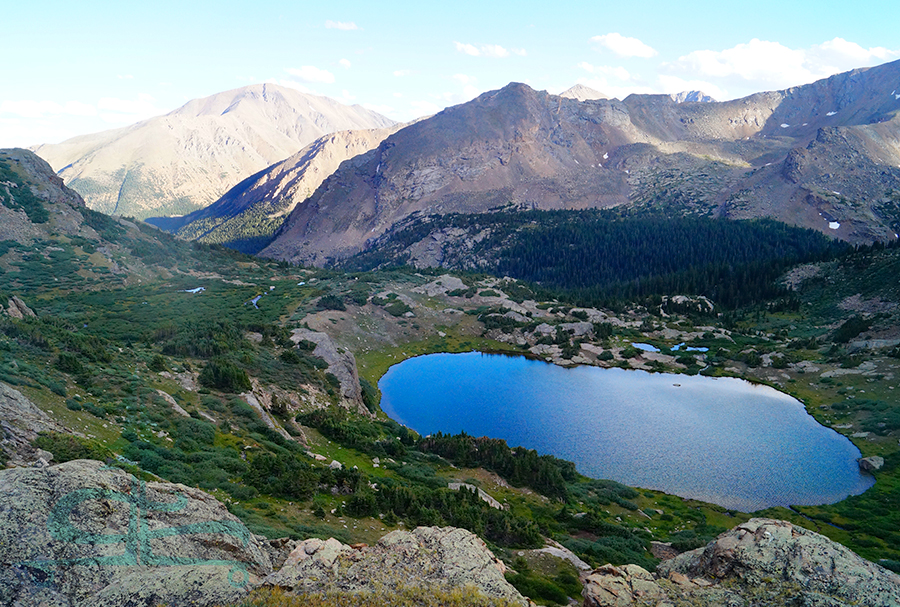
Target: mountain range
{"type": "Point", "coordinates": [824, 155]}
{"type": "Point", "coordinates": [186, 159]}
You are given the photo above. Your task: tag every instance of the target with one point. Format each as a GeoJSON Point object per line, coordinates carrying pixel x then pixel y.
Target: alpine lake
{"type": "Point", "coordinates": [720, 440]}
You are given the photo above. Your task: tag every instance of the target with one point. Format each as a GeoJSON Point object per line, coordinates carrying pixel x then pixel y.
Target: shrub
{"type": "Point", "coordinates": [222, 374]}
{"type": "Point", "coordinates": [331, 302]}
{"type": "Point", "coordinates": [69, 363]}
{"type": "Point", "coordinates": [852, 327]}
{"type": "Point", "coordinates": [66, 447]}
{"type": "Point", "coordinates": [158, 364]}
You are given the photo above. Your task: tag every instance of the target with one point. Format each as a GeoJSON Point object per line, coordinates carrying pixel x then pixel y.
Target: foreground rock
{"type": "Point", "coordinates": [427, 557]}
{"type": "Point", "coordinates": [762, 562]}
{"type": "Point", "coordinates": [82, 534]}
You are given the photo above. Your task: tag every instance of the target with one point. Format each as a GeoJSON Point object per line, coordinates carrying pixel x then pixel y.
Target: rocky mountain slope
{"type": "Point", "coordinates": [247, 216]}
{"type": "Point", "coordinates": [186, 159]}
{"type": "Point", "coordinates": [824, 155]}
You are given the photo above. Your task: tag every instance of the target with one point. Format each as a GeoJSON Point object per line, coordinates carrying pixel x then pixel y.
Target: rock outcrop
{"type": "Point", "coordinates": [341, 363]}
{"type": "Point", "coordinates": [871, 464]}
{"type": "Point", "coordinates": [16, 308]}
{"type": "Point", "coordinates": [427, 557]}
{"type": "Point", "coordinates": [763, 562]}
{"type": "Point", "coordinates": [20, 423]}
{"type": "Point", "coordinates": [82, 534]}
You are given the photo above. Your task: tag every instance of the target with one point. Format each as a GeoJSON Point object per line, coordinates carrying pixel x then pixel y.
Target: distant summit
{"type": "Point", "coordinates": [188, 158]}
{"type": "Point", "coordinates": [691, 97]}
{"type": "Point", "coordinates": [583, 93]}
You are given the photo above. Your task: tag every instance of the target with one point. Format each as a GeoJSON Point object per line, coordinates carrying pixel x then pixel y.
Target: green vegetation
{"type": "Point", "coordinates": [66, 447]}
{"type": "Point", "coordinates": [106, 342]}
{"type": "Point", "coordinates": [543, 473]}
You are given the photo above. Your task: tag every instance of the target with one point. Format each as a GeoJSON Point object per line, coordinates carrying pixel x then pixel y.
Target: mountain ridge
{"type": "Point", "coordinates": [187, 158]}
{"type": "Point", "coordinates": [520, 147]}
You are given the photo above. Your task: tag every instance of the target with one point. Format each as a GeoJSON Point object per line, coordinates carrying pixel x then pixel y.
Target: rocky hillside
{"type": "Point", "coordinates": [188, 158]}
{"type": "Point", "coordinates": [45, 226]}
{"type": "Point", "coordinates": [824, 156]}
{"type": "Point", "coordinates": [248, 215]}
{"type": "Point", "coordinates": [82, 533]}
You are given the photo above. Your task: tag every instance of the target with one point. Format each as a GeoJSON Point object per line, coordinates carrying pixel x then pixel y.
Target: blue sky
{"type": "Point", "coordinates": [70, 68]}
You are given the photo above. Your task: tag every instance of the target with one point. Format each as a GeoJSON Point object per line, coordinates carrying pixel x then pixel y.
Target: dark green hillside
{"type": "Point", "coordinates": [594, 257]}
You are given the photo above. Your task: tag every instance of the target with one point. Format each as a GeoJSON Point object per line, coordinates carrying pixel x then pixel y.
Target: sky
{"type": "Point", "coordinates": [72, 68]}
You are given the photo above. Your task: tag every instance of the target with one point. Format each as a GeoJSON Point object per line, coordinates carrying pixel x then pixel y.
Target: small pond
{"type": "Point", "coordinates": [725, 441]}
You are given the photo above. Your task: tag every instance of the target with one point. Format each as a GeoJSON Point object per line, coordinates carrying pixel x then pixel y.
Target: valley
{"type": "Point", "coordinates": [222, 394]}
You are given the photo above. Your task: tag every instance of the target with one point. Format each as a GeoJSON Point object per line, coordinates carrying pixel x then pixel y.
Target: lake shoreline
{"type": "Point", "coordinates": [688, 383]}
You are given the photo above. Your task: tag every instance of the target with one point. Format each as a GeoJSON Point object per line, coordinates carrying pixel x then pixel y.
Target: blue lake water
{"type": "Point", "coordinates": [725, 441]}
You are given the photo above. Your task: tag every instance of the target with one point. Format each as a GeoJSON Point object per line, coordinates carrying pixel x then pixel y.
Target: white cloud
{"type": "Point", "coordinates": [425, 108]}
{"type": "Point", "coordinates": [755, 60]}
{"type": "Point", "coordinates": [292, 84]}
{"type": "Point", "coordinates": [381, 109]}
{"type": "Point", "coordinates": [606, 70]}
{"type": "Point", "coordinates": [41, 109]}
{"type": "Point", "coordinates": [463, 79]}
{"type": "Point", "coordinates": [624, 46]}
{"type": "Point", "coordinates": [345, 63]}
{"type": "Point", "coordinates": [468, 49]}
{"type": "Point", "coordinates": [765, 65]}
{"type": "Point", "coordinates": [341, 25]}
{"type": "Point", "coordinates": [519, 51]}
{"type": "Point", "coordinates": [401, 73]}
{"type": "Point", "coordinates": [485, 50]}
{"type": "Point", "coordinates": [125, 77]}
{"type": "Point", "coordinates": [309, 73]}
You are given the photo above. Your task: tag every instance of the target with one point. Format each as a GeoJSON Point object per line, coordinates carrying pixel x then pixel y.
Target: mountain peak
{"type": "Point", "coordinates": [691, 97]}
{"type": "Point", "coordinates": [583, 93]}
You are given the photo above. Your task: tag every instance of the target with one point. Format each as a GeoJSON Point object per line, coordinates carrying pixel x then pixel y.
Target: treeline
{"type": "Point", "coordinates": [731, 262]}
{"type": "Point", "coordinates": [427, 506]}
{"type": "Point", "coordinates": [592, 257]}
{"type": "Point", "coordinates": [545, 474]}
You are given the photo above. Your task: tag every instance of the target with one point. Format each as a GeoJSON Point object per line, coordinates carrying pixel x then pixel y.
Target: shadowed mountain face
{"type": "Point", "coordinates": [824, 155]}
{"type": "Point", "coordinates": [248, 215]}
{"type": "Point", "coordinates": [188, 158]}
